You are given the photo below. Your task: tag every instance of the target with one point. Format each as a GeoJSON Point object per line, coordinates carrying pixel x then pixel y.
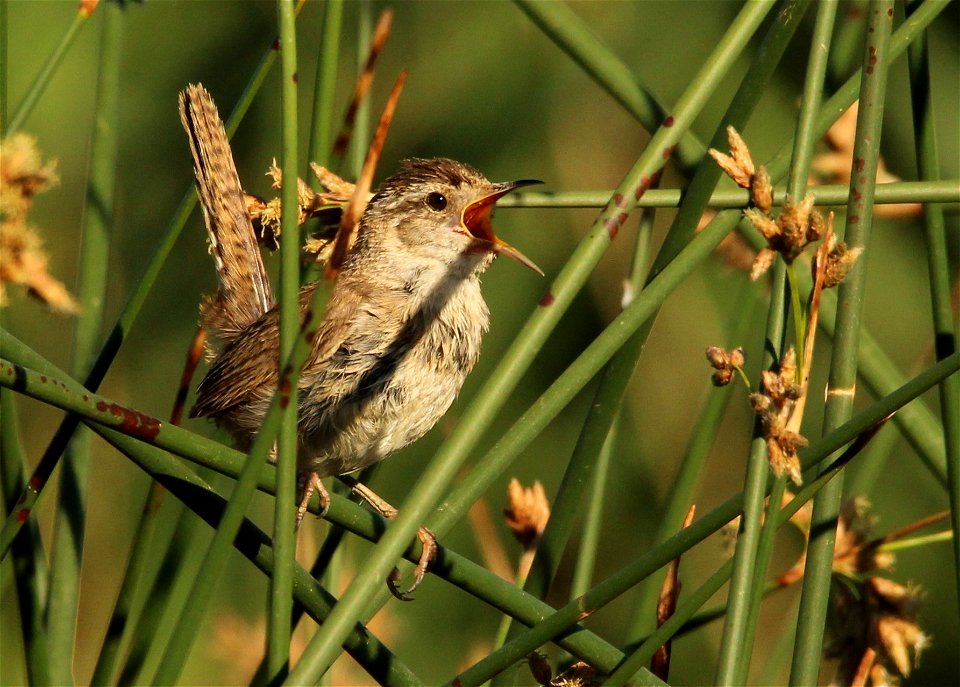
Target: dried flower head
{"type": "Point", "coordinates": [738, 165]}
{"type": "Point", "coordinates": [798, 225]}
{"type": "Point", "coordinates": [527, 512]}
{"type": "Point", "coordinates": [326, 205]}
{"type": "Point", "coordinates": [761, 190]}
{"type": "Point", "coordinates": [877, 615]}
{"type": "Point", "coordinates": [725, 364]}
{"type": "Point", "coordinates": [774, 405]}
{"type": "Point", "coordinates": [580, 674]}
{"type": "Point", "coordinates": [874, 628]}
{"type": "Point", "coordinates": [22, 259]}
{"type": "Point", "coordinates": [840, 260]}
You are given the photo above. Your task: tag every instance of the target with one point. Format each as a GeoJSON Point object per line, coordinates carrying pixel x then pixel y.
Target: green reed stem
{"type": "Point", "coordinates": [179, 566]}
{"type": "Point", "coordinates": [284, 537]}
{"type": "Point", "coordinates": [926, 191]}
{"type": "Point", "coordinates": [946, 329]}
{"type": "Point", "coordinates": [848, 44]}
{"type": "Point", "coordinates": [45, 75]}
{"type": "Point", "coordinates": [321, 128]}
{"type": "Point", "coordinates": [27, 566]}
{"type": "Point", "coordinates": [734, 658]}
{"type": "Point", "coordinates": [130, 600]}
{"type": "Point", "coordinates": [843, 370]}
{"type": "Point", "coordinates": [96, 228]}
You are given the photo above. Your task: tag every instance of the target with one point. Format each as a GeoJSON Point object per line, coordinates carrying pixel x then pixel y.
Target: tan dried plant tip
{"type": "Point", "coordinates": [267, 215]}
{"type": "Point", "coordinates": [775, 405]}
{"type": "Point", "coordinates": [527, 512]}
{"type": "Point", "coordinates": [871, 613]}
{"type": "Point", "coordinates": [738, 165]}
{"type": "Point", "coordinates": [22, 259]}
{"type": "Point", "coordinates": [580, 674]}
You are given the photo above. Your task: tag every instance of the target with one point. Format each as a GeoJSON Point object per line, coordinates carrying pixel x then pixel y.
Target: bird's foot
{"type": "Point", "coordinates": [429, 549]}
{"type": "Point", "coordinates": [308, 483]}
{"type": "Point", "coordinates": [427, 555]}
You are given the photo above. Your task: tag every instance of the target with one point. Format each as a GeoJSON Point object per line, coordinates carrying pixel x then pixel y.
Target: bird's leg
{"type": "Point", "coordinates": [428, 540]}
{"type": "Point", "coordinates": [307, 484]}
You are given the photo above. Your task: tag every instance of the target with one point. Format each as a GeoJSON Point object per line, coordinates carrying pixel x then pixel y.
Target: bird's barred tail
{"type": "Point", "coordinates": [244, 293]}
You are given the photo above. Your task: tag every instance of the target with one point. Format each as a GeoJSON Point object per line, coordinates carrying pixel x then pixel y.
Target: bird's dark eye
{"type": "Point", "coordinates": [437, 201]}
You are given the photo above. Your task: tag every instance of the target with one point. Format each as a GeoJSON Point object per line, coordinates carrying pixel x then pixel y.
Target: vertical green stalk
{"type": "Point", "coordinates": [361, 129]}
{"type": "Point", "coordinates": [4, 65]}
{"type": "Point", "coordinates": [27, 566]}
{"type": "Point", "coordinates": [321, 133]}
{"type": "Point", "coordinates": [848, 43]}
{"type": "Point", "coordinates": [168, 595]}
{"type": "Point", "coordinates": [136, 581]}
{"type": "Point", "coordinates": [734, 656]}
{"type": "Point", "coordinates": [321, 129]}
{"type": "Point", "coordinates": [593, 519]}
{"type": "Point", "coordinates": [803, 148]}
{"type": "Point", "coordinates": [48, 69]}
{"type": "Point", "coordinates": [938, 259]}
{"type": "Point", "coordinates": [284, 536]}
{"type": "Point", "coordinates": [843, 371]}
{"type": "Point", "coordinates": [324, 647]}
{"type": "Point", "coordinates": [70, 519]}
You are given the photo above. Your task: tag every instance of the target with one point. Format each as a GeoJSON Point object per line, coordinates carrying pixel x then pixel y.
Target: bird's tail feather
{"type": "Point", "coordinates": [244, 293]}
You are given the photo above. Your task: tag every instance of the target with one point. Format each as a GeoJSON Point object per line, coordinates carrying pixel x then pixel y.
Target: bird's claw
{"type": "Point", "coordinates": [427, 555]}
{"type": "Point", "coordinates": [310, 483]}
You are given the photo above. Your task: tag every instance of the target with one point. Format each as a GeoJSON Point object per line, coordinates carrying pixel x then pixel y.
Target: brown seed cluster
{"type": "Point", "coordinates": [22, 259]}
{"type": "Point", "coordinates": [775, 404]}
{"type": "Point", "coordinates": [726, 364]}
{"type": "Point", "coordinates": [875, 618]}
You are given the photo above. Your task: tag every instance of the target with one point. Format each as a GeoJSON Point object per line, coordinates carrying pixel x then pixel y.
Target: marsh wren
{"type": "Point", "coordinates": [402, 327]}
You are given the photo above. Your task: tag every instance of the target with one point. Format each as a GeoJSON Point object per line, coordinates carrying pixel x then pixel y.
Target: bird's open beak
{"type": "Point", "coordinates": [476, 220]}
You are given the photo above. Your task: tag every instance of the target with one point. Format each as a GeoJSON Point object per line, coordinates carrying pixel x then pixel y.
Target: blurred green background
{"type": "Point", "coordinates": [487, 87]}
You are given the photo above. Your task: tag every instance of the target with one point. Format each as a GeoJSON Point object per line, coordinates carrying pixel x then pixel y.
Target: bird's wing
{"type": "Point", "coordinates": [248, 366]}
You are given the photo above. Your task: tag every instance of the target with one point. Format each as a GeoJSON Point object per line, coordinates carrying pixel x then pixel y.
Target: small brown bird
{"type": "Point", "coordinates": [401, 331]}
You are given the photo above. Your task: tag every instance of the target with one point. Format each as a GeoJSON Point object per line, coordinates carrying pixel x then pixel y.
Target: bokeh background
{"type": "Point", "coordinates": [487, 87]}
